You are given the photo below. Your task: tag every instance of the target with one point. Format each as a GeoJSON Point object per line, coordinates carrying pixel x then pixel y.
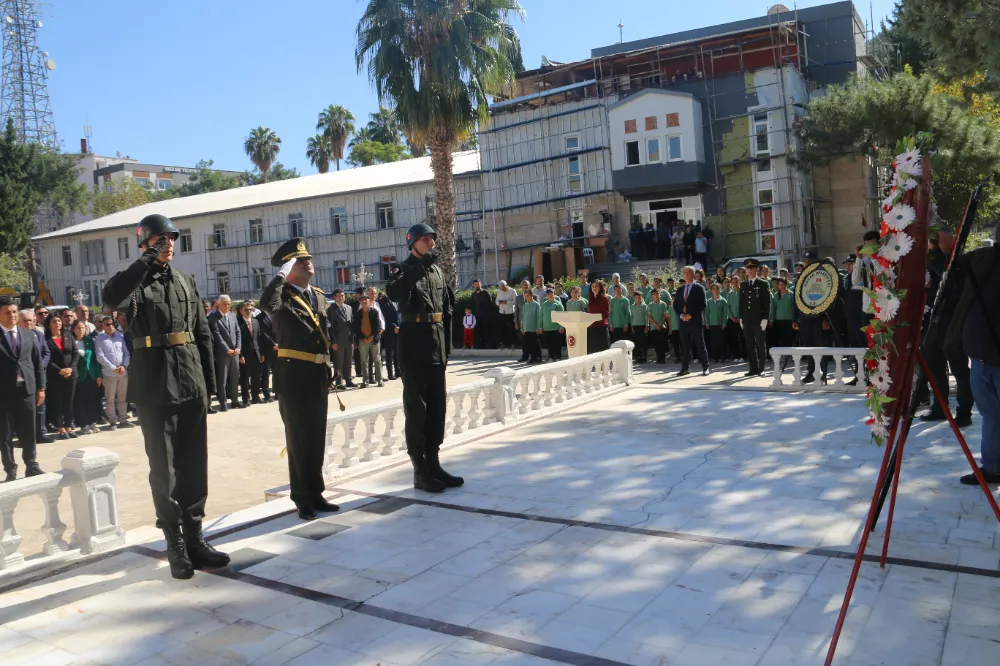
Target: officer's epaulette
{"type": "Point", "coordinates": [317, 290]}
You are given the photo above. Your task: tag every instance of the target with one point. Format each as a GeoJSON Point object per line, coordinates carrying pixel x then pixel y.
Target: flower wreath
{"type": "Point", "coordinates": [894, 244]}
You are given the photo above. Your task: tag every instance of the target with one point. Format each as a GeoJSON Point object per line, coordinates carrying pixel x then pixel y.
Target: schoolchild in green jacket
{"type": "Point", "coordinates": [531, 328]}
{"type": "Point", "coordinates": [639, 323]}
{"type": "Point", "coordinates": [659, 326]}
{"type": "Point", "coordinates": [620, 316]}
{"type": "Point", "coordinates": [551, 331]}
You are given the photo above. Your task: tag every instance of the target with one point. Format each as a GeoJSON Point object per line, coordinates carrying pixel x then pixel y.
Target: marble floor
{"type": "Point", "coordinates": [661, 526]}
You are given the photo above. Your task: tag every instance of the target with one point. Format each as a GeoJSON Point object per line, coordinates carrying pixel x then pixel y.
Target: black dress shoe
{"type": "Point", "coordinates": [212, 410]}
{"type": "Point", "coordinates": [321, 505]}
{"type": "Point", "coordinates": [268, 399]}
{"type": "Point", "coordinates": [11, 476]}
{"type": "Point", "coordinates": [307, 513]}
{"type": "Point", "coordinates": [200, 552]}
{"type": "Point", "coordinates": [752, 373]}
{"type": "Point", "coordinates": [180, 564]}
{"type": "Point", "coordinates": [33, 470]}
{"type": "Point", "coordinates": [808, 379]}
{"type": "Point", "coordinates": [682, 373]}
{"type": "Point", "coordinates": [963, 420]}
{"type": "Point", "coordinates": [971, 480]}
{"type": "Point", "coordinates": [705, 372]}
{"type": "Point", "coordinates": [933, 415]}
{"type": "Point", "coordinates": [45, 439]}
{"type": "Point", "coordinates": [223, 408]}
{"type": "Point", "coordinates": [349, 384]}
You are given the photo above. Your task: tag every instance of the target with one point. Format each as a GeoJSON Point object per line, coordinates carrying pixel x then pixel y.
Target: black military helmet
{"type": "Point", "coordinates": [154, 225]}
{"type": "Point", "coordinates": [418, 231]}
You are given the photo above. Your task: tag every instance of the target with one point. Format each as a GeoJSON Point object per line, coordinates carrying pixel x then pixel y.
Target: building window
{"type": "Point", "coordinates": [185, 238]}
{"type": "Point", "coordinates": [338, 220]}
{"type": "Point", "coordinates": [631, 153]}
{"type": "Point", "coordinates": [384, 213]}
{"type": "Point", "coordinates": [67, 255]}
{"type": "Point", "coordinates": [761, 130]}
{"type": "Point", "coordinates": [92, 257]}
{"type": "Point", "coordinates": [673, 120]}
{"type": "Point", "coordinates": [765, 221]}
{"type": "Point", "coordinates": [123, 244]}
{"type": "Point", "coordinates": [219, 236]}
{"type": "Point", "coordinates": [652, 151]}
{"type": "Point", "coordinates": [763, 166]}
{"type": "Point", "coordinates": [343, 272]}
{"type": "Point", "coordinates": [572, 143]}
{"type": "Point", "coordinates": [765, 196]}
{"type": "Point", "coordinates": [259, 279]}
{"type": "Point", "coordinates": [70, 294]}
{"type": "Point", "coordinates": [674, 153]}
{"type": "Point", "coordinates": [387, 262]}
{"type": "Point", "coordinates": [164, 184]}
{"type": "Point", "coordinates": [222, 281]}
{"type": "Point", "coordinates": [575, 178]}
{"type": "Point", "coordinates": [630, 127]}
{"type": "Point", "coordinates": [576, 222]}
{"type": "Point", "coordinates": [430, 205]}
{"type": "Point", "coordinates": [142, 182]}
{"type": "Point", "coordinates": [650, 123]}
{"type": "Point", "coordinates": [256, 231]}
{"type": "Point", "coordinates": [296, 225]}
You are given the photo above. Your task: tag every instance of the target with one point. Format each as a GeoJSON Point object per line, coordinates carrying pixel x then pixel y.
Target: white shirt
{"type": "Point", "coordinates": [701, 245]}
{"type": "Point", "coordinates": [539, 293]}
{"type": "Point", "coordinates": [469, 321]}
{"type": "Point", "coordinates": [505, 301]}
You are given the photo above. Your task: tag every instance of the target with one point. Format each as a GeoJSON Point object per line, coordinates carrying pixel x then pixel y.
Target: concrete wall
{"type": "Point", "coordinates": [842, 207]}
{"type": "Point", "coordinates": [657, 104]}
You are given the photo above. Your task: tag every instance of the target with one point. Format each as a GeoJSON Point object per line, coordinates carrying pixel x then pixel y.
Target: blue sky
{"type": "Point", "coordinates": [175, 82]}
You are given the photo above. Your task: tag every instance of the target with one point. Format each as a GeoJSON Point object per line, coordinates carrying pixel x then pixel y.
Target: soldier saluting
{"type": "Point", "coordinates": [301, 372]}
{"type": "Point", "coordinates": [172, 376]}
{"type": "Point", "coordinates": [423, 345]}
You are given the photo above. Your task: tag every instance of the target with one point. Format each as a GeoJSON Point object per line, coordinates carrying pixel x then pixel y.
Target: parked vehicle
{"type": "Point", "coordinates": [770, 260]}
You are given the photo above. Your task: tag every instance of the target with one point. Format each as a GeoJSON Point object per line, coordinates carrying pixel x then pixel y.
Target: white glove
{"type": "Point", "coordinates": [741, 323]}
{"type": "Point", "coordinates": [763, 324]}
{"type": "Point", "coordinates": [286, 268]}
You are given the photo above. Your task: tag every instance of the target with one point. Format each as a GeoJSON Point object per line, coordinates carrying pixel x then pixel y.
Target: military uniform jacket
{"type": "Point", "coordinates": [421, 292]}
{"type": "Point", "coordinates": [167, 301]}
{"type": "Point", "coordinates": [300, 326]}
{"type": "Point", "coordinates": [755, 300]}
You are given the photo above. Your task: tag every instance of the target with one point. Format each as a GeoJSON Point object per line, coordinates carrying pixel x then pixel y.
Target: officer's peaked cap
{"type": "Point", "coordinates": [293, 248]}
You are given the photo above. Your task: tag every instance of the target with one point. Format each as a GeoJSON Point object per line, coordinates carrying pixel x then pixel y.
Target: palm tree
{"type": "Point", "coordinates": [262, 147]}
{"type": "Point", "coordinates": [319, 152]}
{"type": "Point", "coordinates": [384, 127]}
{"type": "Point", "coordinates": [337, 123]}
{"type": "Point", "coordinates": [436, 63]}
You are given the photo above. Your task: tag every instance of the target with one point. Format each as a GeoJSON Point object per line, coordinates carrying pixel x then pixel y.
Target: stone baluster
{"type": "Point", "coordinates": [10, 540]}
{"type": "Point", "coordinates": [551, 386]}
{"type": "Point", "coordinates": [390, 435]}
{"type": "Point", "coordinates": [372, 440]}
{"type": "Point", "coordinates": [95, 499]}
{"type": "Point", "coordinates": [860, 374]}
{"type": "Point", "coordinates": [838, 372]}
{"type": "Point", "coordinates": [461, 416]}
{"type": "Point", "coordinates": [475, 410]}
{"type": "Point", "coordinates": [540, 393]}
{"type": "Point", "coordinates": [349, 449]}
{"type": "Point", "coordinates": [796, 373]}
{"type": "Point", "coordinates": [501, 397]}
{"type": "Point", "coordinates": [54, 528]}
{"type": "Point", "coordinates": [776, 361]}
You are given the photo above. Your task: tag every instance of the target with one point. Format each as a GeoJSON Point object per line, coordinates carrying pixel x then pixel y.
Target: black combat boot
{"type": "Point", "coordinates": [177, 555]}
{"type": "Point", "coordinates": [434, 467]}
{"type": "Point", "coordinates": [422, 477]}
{"type": "Point", "coordinates": [202, 555]}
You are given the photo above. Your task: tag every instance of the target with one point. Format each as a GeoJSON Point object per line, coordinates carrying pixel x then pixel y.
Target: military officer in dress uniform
{"type": "Point", "coordinates": [755, 308]}
{"type": "Point", "coordinates": [423, 344]}
{"type": "Point", "coordinates": [301, 372]}
{"type": "Point", "coordinates": [171, 379]}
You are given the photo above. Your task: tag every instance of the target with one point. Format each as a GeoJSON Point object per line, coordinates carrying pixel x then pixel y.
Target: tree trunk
{"type": "Point", "coordinates": [444, 207]}
{"type": "Point", "coordinates": [338, 163]}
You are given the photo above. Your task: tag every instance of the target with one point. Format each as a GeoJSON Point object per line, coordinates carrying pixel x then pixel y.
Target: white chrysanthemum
{"type": "Point", "coordinates": [903, 182]}
{"type": "Point", "coordinates": [900, 217]}
{"type": "Point", "coordinates": [896, 246]}
{"type": "Point", "coordinates": [880, 430]}
{"type": "Point", "coordinates": [910, 163]}
{"type": "Point", "coordinates": [893, 197]}
{"type": "Point", "coordinates": [887, 304]}
{"type": "Point", "coordinates": [883, 366]}
{"type": "Point", "coordinates": [880, 381]}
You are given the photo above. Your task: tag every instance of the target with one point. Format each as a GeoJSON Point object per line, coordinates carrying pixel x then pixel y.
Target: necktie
{"type": "Point", "coordinates": [13, 342]}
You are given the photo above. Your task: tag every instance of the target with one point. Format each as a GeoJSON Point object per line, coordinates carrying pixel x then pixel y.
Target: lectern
{"type": "Point", "coordinates": [576, 324]}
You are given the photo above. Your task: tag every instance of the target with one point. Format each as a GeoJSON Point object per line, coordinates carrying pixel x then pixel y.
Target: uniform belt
{"type": "Point", "coordinates": [303, 356]}
{"type": "Point", "coordinates": [164, 340]}
{"type": "Point", "coordinates": [430, 318]}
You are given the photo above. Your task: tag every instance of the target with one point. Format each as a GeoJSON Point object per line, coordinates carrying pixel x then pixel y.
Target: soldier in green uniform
{"type": "Point", "coordinates": [302, 372]}
{"type": "Point", "coordinates": [717, 314]}
{"type": "Point", "coordinates": [575, 302]}
{"type": "Point", "coordinates": [639, 323]}
{"type": "Point", "coordinates": [171, 378]}
{"type": "Point", "coordinates": [423, 344]}
{"type": "Point", "coordinates": [552, 331]}
{"type": "Point", "coordinates": [659, 325]}
{"type": "Point", "coordinates": [620, 316]}
{"type": "Point", "coordinates": [782, 317]}
{"type": "Point", "coordinates": [531, 327]}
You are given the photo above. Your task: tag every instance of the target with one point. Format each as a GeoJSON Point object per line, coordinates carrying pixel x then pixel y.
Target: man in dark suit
{"type": "Point", "coordinates": [341, 317]}
{"type": "Point", "coordinates": [250, 358]}
{"type": "Point", "coordinates": [390, 313]}
{"type": "Point", "coordinates": [755, 309]}
{"type": "Point", "coordinates": [226, 341]}
{"type": "Point", "coordinates": [22, 388]}
{"type": "Point", "coordinates": [689, 304]}
{"type": "Point", "coordinates": [28, 321]}
{"type": "Point", "coordinates": [268, 351]}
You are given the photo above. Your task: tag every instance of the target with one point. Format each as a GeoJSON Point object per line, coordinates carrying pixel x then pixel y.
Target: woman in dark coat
{"type": "Point", "coordinates": [87, 399]}
{"type": "Point", "coordinates": [598, 338]}
{"type": "Point", "coordinates": [60, 376]}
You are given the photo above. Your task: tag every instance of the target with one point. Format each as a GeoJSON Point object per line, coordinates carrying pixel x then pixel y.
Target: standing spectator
{"type": "Point", "coordinates": [268, 350]}
{"type": "Point", "coordinates": [83, 314]}
{"type": "Point", "coordinates": [519, 302]}
{"type": "Point", "coordinates": [734, 334]}
{"type": "Point", "coordinates": [639, 324]}
{"type": "Point", "coordinates": [552, 331]}
{"type": "Point", "coordinates": [597, 332]}
{"type": "Point", "coordinates": [709, 235]}
{"type": "Point", "coordinates": [649, 241]}
{"type": "Point", "coordinates": [616, 281]}
{"type": "Point", "coordinates": [390, 319]}
{"type": "Point", "coordinates": [373, 304]}
{"type": "Point", "coordinates": [505, 302]}
{"type": "Point", "coordinates": [22, 389]}
{"type": "Point", "coordinates": [482, 308]}
{"type": "Point", "coordinates": [677, 242]}
{"type": "Point", "coordinates": [341, 318]}
{"type": "Point", "coordinates": [620, 316]}
{"type": "Point", "coordinates": [635, 240]}
{"type": "Point", "coordinates": [720, 276]}
{"type": "Point", "coordinates": [114, 357]}
{"type": "Point", "coordinates": [717, 314]}
{"type": "Point", "coordinates": [61, 376]}
{"type": "Point", "coordinates": [561, 293]}
{"type": "Point", "coordinates": [755, 308]}
{"type": "Point", "coordinates": [689, 303]}
{"type": "Point", "coordinates": [701, 249]}
{"type": "Point", "coordinates": [368, 332]}
{"type": "Point", "coordinates": [644, 288]}
{"type": "Point", "coordinates": [87, 395]}
{"type": "Point", "coordinates": [975, 329]}
{"type": "Point", "coordinates": [468, 329]}
{"type": "Point", "coordinates": [675, 329]}
{"type": "Point", "coordinates": [662, 240]}
{"type": "Point", "coordinates": [531, 328]}
{"type": "Point", "coordinates": [538, 291]}
{"type": "Point", "coordinates": [659, 326]}
{"type": "Point", "coordinates": [688, 241]}
{"type": "Point", "coordinates": [226, 340]}
{"type": "Point", "coordinates": [41, 314]}
{"type": "Point", "coordinates": [26, 320]}
{"type": "Point", "coordinates": [250, 355]}
{"type": "Point", "coordinates": [782, 317]}
{"type": "Point", "coordinates": [575, 303]}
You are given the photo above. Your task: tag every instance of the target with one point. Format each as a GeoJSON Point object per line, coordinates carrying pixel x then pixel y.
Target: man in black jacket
{"type": "Point", "coordinates": [341, 318]}
{"type": "Point", "coordinates": [755, 308]}
{"type": "Point", "coordinates": [390, 314]}
{"type": "Point", "coordinates": [250, 356]}
{"type": "Point", "coordinates": [483, 309]}
{"type": "Point", "coordinates": [689, 304]}
{"type": "Point", "coordinates": [22, 388]}
{"type": "Point", "coordinates": [268, 351]}
{"type": "Point", "coordinates": [171, 379]}
{"type": "Point", "coordinates": [368, 334]}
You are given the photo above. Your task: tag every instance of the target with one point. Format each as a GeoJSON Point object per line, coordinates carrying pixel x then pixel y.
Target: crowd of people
{"type": "Point", "coordinates": [690, 243]}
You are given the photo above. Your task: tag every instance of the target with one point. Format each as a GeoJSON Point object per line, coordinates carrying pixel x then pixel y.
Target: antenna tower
{"type": "Point", "coordinates": [24, 95]}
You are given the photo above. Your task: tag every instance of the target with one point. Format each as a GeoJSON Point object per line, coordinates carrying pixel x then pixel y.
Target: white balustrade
{"type": "Point", "coordinates": [502, 398]}
{"type": "Point", "coordinates": [89, 473]}
{"type": "Point", "coordinates": [799, 360]}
